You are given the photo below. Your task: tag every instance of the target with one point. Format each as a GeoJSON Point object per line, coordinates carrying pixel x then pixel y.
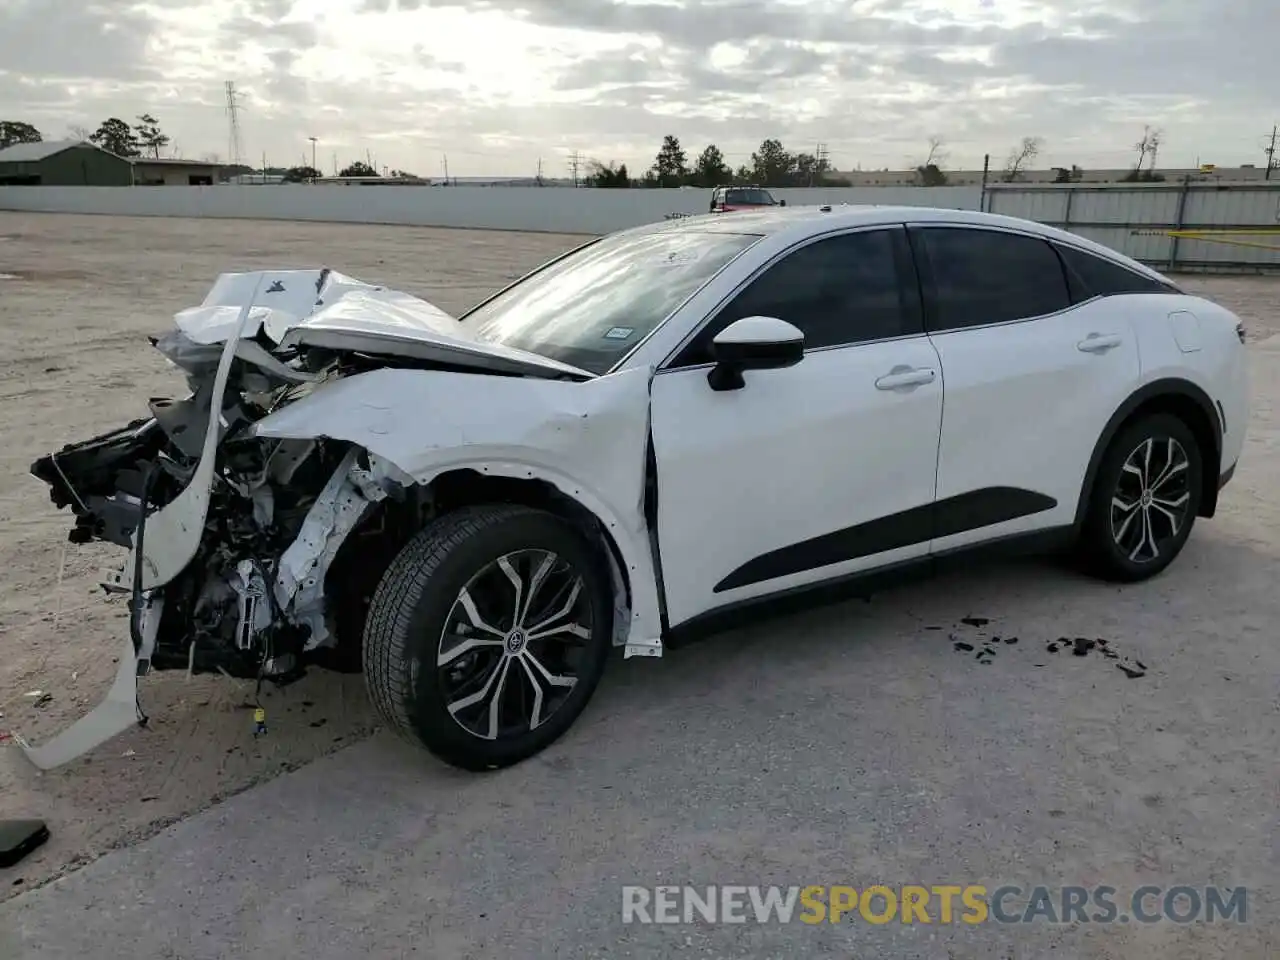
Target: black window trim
{"type": "Point", "coordinates": [929, 291]}
{"type": "Point", "coordinates": [909, 286]}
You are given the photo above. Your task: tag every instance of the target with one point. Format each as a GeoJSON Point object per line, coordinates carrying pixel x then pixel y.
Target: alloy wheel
{"type": "Point", "coordinates": [511, 649]}
{"type": "Point", "coordinates": [1152, 499]}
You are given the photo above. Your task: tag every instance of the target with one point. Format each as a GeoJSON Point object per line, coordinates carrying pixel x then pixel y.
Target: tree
{"type": "Point", "coordinates": [710, 170]}
{"type": "Point", "coordinates": [608, 176]}
{"type": "Point", "coordinates": [148, 136]}
{"type": "Point", "coordinates": [937, 154]}
{"type": "Point", "coordinates": [670, 166]}
{"type": "Point", "coordinates": [929, 171]}
{"type": "Point", "coordinates": [301, 174]}
{"type": "Point", "coordinates": [116, 136]}
{"type": "Point", "coordinates": [771, 165]}
{"type": "Point", "coordinates": [15, 131]}
{"type": "Point", "coordinates": [809, 170]}
{"type": "Point", "coordinates": [1148, 146]}
{"type": "Point", "coordinates": [358, 169]}
{"type": "Point", "coordinates": [1021, 156]}
{"type": "Point", "coordinates": [930, 175]}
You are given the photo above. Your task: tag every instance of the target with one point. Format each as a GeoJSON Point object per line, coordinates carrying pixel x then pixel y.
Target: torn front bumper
{"type": "Point", "coordinates": [117, 712]}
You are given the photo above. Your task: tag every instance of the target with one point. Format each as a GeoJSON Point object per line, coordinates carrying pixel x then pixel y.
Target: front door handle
{"type": "Point", "coordinates": [900, 377]}
{"type": "Point", "coordinates": [1099, 343]}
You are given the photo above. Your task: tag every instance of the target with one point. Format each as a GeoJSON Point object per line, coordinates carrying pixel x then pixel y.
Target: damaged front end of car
{"type": "Point", "coordinates": [234, 538]}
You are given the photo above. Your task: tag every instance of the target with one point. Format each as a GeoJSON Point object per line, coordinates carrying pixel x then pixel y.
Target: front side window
{"type": "Point", "coordinates": [986, 276]}
{"type": "Point", "coordinates": [591, 308]}
{"type": "Point", "coordinates": [838, 291]}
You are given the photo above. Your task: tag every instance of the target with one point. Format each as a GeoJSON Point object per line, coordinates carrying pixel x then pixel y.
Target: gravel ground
{"type": "Point", "coordinates": [853, 744]}
{"type": "Point", "coordinates": [86, 292]}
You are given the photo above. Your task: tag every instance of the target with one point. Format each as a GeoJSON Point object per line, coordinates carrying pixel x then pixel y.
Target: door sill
{"type": "Point", "coordinates": [865, 583]}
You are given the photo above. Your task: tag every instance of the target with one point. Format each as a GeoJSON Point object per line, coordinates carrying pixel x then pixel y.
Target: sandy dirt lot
{"type": "Point", "coordinates": [85, 293]}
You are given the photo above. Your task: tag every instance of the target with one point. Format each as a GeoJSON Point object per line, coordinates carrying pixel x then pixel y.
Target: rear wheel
{"type": "Point", "coordinates": [1145, 500]}
{"type": "Point", "coordinates": [488, 634]}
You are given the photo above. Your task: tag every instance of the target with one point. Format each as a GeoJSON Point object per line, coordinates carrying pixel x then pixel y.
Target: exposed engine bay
{"type": "Point", "coordinates": [252, 602]}
{"type": "Point", "coordinates": [261, 510]}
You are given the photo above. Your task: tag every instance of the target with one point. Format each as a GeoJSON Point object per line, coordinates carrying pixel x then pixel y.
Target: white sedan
{"type": "Point", "coordinates": [656, 431]}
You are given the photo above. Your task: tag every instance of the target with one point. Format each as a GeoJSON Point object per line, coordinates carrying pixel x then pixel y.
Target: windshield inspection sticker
{"type": "Point", "coordinates": [619, 333]}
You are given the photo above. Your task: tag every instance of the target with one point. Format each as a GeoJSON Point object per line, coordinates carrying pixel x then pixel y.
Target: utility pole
{"type": "Point", "coordinates": [313, 152]}
{"type": "Point", "coordinates": [575, 161]}
{"type": "Point", "coordinates": [820, 163]}
{"type": "Point", "coordinates": [445, 159]}
{"type": "Point", "coordinates": [539, 171]}
{"type": "Point", "coordinates": [1271, 154]}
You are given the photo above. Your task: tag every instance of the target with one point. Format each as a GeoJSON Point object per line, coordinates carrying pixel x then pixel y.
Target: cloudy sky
{"type": "Point", "coordinates": [499, 84]}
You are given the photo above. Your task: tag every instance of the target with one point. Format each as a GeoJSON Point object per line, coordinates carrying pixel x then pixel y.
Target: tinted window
{"type": "Point", "coordinates": [591, 308]}
{"type": "Point", "coordinates": [749, 196]}
{"type": "Point", "coordinates": [983, 276]}
{"type": "Point", "coordinates": [838, 291]}
{"type": "Point", "coordinates": [1090, 276]}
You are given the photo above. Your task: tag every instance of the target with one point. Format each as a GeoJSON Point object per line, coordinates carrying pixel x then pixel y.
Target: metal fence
{"type": "Point", "coordinates": [1187, 226]}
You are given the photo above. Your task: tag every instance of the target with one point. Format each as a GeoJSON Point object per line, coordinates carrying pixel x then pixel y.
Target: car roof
{"type": "Point", "coordinates": [797, 223]}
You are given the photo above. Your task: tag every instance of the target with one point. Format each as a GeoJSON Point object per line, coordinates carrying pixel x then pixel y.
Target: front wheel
{"type": "Point", "coordinates": [488, 634]}
{"type": "Point", "coordinates": [1145, 500]}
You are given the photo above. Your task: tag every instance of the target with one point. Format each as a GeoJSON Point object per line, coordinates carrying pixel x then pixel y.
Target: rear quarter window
{"type": "Point", "coordinates": [1091, 276]}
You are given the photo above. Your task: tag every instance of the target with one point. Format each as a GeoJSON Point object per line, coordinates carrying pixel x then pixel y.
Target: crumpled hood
{"type": "Point", "coordinates": [323, 308]}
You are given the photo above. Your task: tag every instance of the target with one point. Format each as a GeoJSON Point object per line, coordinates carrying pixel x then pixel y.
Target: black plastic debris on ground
{"type": "Point", "coordinates": [1081, 646]}
{"type": "Point", "coordinates": [1078, 646]}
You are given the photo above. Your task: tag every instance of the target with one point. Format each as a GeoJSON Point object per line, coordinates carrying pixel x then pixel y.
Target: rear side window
{"type": "Point", "coordinates": [1089, 276]}
{"type": "Point", "coordinates": [985, 276]}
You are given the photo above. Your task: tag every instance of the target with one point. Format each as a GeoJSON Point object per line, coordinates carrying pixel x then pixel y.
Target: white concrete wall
{"type": "Point", "coordinates": [550, 209]}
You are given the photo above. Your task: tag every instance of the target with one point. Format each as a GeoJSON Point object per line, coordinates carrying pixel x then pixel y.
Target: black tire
{"type": "Point", "coordinates": [1118, 547]}
{"type": "Point", "coordinates": [420, 595]}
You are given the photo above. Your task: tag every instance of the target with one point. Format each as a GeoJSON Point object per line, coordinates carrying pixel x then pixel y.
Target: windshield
{"type": "Point", "coordinates": [761, 197]}
{"type": "Point", "coordinates": [591, 308]}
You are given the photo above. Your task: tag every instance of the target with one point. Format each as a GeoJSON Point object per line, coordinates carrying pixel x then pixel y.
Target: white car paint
{"type": "Point", "coordinates": [847, 436]}
{"type": "Point", "coordinates": [587, 439]}
{"type": "Point", "coordinates": [797, 453]}
{"type": "Point", "coordinates": [327, 309]}
{"type": "Point", "coordinates": [1025, 405]}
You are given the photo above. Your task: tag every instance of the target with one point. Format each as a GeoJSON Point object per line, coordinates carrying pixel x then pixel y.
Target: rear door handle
{"type": "Point", "coordinates": [1099, 343]}
{"type": "Point", "coordinates": [900, 377]}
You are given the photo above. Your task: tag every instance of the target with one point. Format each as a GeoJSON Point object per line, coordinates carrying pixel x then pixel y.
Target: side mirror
{"type": "Point", "coordinates": [753, 343]}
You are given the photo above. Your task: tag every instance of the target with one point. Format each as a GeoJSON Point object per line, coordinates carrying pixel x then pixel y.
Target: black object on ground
{"type": "Point", "coordinates": [975, 621]}
{"type": "Point", "coordinates": [18, 838]}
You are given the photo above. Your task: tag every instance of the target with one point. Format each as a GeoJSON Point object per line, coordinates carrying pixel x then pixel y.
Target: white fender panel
{"type": "Point", "coordinates": [588, 438]}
